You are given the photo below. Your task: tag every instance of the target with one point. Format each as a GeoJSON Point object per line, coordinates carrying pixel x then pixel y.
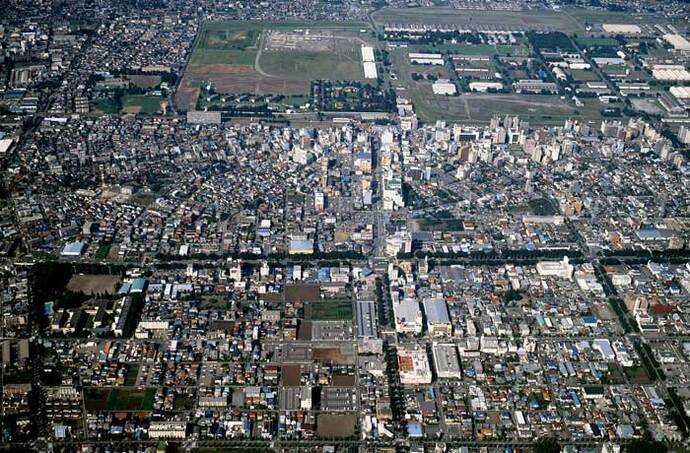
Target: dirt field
{"type": "Point", "coordinates": [93, 284]}
{"type": "Point", "coordinates": [297, 293]}
{"type": "Point", "coordinates": [336, 425]}
{"type": "Point", "coordinates": [291, 375]}
{"type": "Point", "coordinates": [232, 79]}
{"type": "Point", "coordinates": [343, 380]}
{"type": "Point", "coordinates": [331, 355]}
{"type": "Point", "coordinates": [145, 81]}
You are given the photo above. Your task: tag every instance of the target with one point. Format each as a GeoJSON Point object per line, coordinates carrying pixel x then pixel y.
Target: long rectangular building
{"type": "Point", "coordinates": [366, 319]}
{"type": "Point", "coordinates": [369, 63]}
{"type": "Point", "coordinates": [446, 361]}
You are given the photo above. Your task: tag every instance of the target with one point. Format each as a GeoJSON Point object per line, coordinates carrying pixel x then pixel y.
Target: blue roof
{"type": "Point", "coordinates": [414, 429]}
{"type": "Point", "coordinates": [138, 284]}
{"type": "Point", "coordinates": [124, 289]}
{"type": "Point", "coordinates": [73, 248]}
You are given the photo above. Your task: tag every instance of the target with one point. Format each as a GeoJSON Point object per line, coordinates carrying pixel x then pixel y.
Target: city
{"type": "Point", "coordinates": [312, 226]}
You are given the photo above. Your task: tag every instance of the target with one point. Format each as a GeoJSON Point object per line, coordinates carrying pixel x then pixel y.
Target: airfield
{"type": "Point", "coordinates": [285, 58]}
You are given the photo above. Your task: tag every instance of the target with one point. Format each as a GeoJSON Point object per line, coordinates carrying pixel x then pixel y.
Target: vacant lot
{"type": "Point", "coordinates": [336, 425]}
{"type": "Point", "coordinates": [300, 293]}
{"type": "Point", "coordinates": [93, 284]}
{"type": "Point", "coordinates": [291, 375]}
{"type": "Point", "coordinates": [335, 355]}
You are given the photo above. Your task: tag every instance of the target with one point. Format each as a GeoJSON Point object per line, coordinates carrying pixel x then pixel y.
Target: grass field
{"type": "Point", "coordinates": [135, 103]}
{"type": "Point", "coordinates": [131, 400]}
{"type": "Point", "coordinates": [583, 75]}
{"type": "Point", "coordinates": [440, 224]}
{"type": "Point", "coordinates": [328, 310]}
{"type": "Point", "coordinates": [224, 38]}
{"type": "Point", "coordinates": [212, 56]}
{"type": "Point", "coordinates": [300, 65]}
{"type": "Point", "coordinates": [234, 57]}
{"type": "Point", "coordinates": [102, 252]}
{"type": "Point", "coordinates": [107, 105]}
{"type": "Point", "coordinates": [102, 399]}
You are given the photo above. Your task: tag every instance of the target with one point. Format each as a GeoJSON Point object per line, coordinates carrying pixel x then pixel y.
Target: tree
{"type": "Point", "coordinates": [646, 444]}
{"type": "Point", "coordinates": [546, 445]}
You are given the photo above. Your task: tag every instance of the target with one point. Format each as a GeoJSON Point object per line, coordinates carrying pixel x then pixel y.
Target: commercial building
{"type": "Point", "coordinates": [437, 317]}
{"type": "Point", "coordinates": [446, 361]}
{"type": "Point", "coordinates": [413, 365]}
{"type": "Point", "coordinates": [562, 269]}
{"type": "Point", "coordinates": [671, 72]}
{"type": "Point", "coordinates": [408, 317]}
{"type": "Point", "coordinates": [75, 248]}
{"type": "Point", "coordinates": [301, 246]}
{"type": "Point", "coordinates": [534, 86]}
{"type": "Point", "coordinates": [485, 86]}
{"type": "Point", "coordinates": [168, 430]}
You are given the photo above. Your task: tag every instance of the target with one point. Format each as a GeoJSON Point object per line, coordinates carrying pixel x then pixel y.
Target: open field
{"type": "Point", "coordinates": [328, 310]}
{"type": "Point", "coordinates": [480, 20]}
{"type": "Point", "coordinates": [116, 399]}
{"type": "Point", "coordinates": [134, 103]}
{"type": "Point", "coordinates": [271, 58]}
{"type": "Point", "coordinates": [479, 108]}
{"type": "Point", "coordinates": [144, 80]}
{"type": "Point", "coordinates": [307, 65]}
{"type": "Point", "coordinates": [336, 425]}
{"type": "Point", "coordinates": [93, 284]}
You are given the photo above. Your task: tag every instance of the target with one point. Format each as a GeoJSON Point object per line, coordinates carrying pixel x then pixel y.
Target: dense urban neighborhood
{"type": "Point", "coordinates": [355, 226]}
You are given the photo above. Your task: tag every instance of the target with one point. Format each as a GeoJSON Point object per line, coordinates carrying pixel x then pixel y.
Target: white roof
{"type": "Point", "coordinates": [680, 92]}
{"type": "Point", "coordinates": [367, 53]}
{"type": "Point", "coordinates": [677, 41]}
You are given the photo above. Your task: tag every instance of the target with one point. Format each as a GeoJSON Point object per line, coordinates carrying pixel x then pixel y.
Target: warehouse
{"type": "Point", "coordinates": [435, 59]}
{"type": "Point", "coordinates": [677, 41]}
{"type": "Point", "coordinates": [446, 361]}
{"type": "Point", "coordinates": [370, 71]}
{"type": "Point", "coordinates": [444, 87]}
{"type": "Point", "coordinates": [437, 317]}
{"type": "Point", "coordinates": [369, 63]}
{"type": "Point", "coordinates": [671, 72]}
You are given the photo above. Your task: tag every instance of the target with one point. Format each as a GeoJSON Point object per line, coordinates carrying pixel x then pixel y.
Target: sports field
{"type": "Point", "coordinates": [134, 103]}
